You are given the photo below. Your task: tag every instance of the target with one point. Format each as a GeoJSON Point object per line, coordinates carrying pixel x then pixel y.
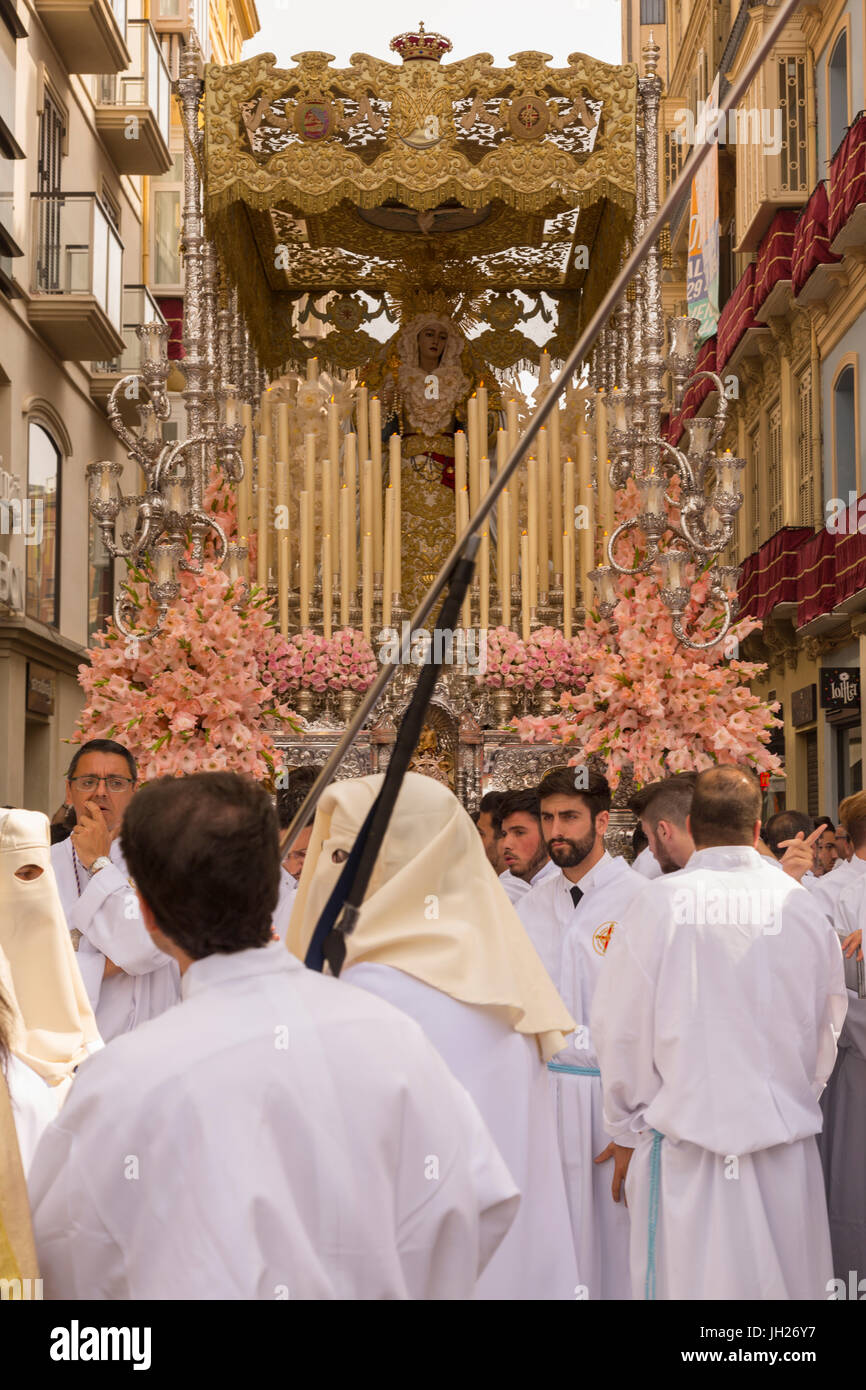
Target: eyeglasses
{"type": "Point", "coordinates": [90, 784]}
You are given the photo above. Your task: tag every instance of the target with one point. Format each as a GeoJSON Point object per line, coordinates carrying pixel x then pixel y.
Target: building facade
{"type": "Point", "coordinates": [789, 347]}
{"type": "Point", "coordinates": [89, 146]}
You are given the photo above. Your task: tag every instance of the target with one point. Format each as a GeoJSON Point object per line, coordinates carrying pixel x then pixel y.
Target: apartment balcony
{"type": "Point", "coordinates": [76, 276]}
{"type": "Point", "coordinates": [88, 34]}
{"type": "Point", "coordinates": [771, 132]}
{"type": "Point", "coordinates": [133, 108]}
{"type": "Point", "coordinates": [139, 306]}
{"type": "Point", "coordinates": [9, 249]}
{"type": "Point", "coordinates": [171, 16]}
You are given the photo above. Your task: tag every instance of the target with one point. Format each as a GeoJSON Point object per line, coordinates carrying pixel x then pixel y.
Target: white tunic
{"type": "Point", "coordinates": [572, 943]}
{"type": "Point", "coordinates": [827, 888]}
{"type": "Point", "coordinates": [34, 1105]}
{"type": "Point", "coordinates": [843, 1139]}
{"type": "Point", "coordinates": [714, 1021]}
{"type": "Point", "coordinates": [647, 865]}
{"type": "Point", "coordinates": [277, 1135]}
{"type": "Point", "coordinates": [108, 917]}
{"type": "Point", "coordinates": [517, 888]}
{"type": "Point", "coordinates": [285, 903]}
{"type": "Point", "coordinates": [504, 1075]}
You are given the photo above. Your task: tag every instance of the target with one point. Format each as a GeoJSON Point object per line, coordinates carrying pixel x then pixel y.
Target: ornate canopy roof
{"type": "Point", "coordinates": [497, 193]}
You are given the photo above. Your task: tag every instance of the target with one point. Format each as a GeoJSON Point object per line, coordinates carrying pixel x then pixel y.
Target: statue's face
{"type": "Point", "coordinates": [431, 345]}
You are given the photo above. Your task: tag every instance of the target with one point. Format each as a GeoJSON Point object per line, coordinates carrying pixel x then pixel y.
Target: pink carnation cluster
{"type": "Point", "coordinates": [193, 698]}
{"type": "Point", "coordinates": [650, 702]}
{"type": "Point", "coordinates": [345, 661]}
{"type": "Point", "coordinates": [546, 660]}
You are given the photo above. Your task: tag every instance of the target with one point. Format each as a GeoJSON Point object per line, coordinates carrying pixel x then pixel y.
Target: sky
{"type": "Point", "coordinates": [344, 27]}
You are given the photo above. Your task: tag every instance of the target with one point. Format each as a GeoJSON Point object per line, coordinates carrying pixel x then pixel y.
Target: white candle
{"type": "Point", "coordinates": [503, 567]}
{"type": "Point", "coordinates": [333, 430]}
{"type": "Point", "coordinates": [396, 466]}
{"type": "Point", "coordinates": [462, 523]}
{"type": "Point", "coordinates": [306, 556]}
{"type": "Point", "coordinates": [312, 369]}
{"type": "Point", "coordinates": [543, 477]}
{"type": "Point", "coordinates": [362, 421]}
{"type": "Point", "coordinates": [367, 584]}
{"type": "Point", "coordinates": [347, 540]}
{"type": "Point", "coordinates": [484, 557]}
{"type": "Point", "coordinates": [585, 498]}
{"type": "Point", "coordinates": [558, 525]}
{"type": "Point", "coordinates": [375, 430]}
{"type": "Point", "coordinates": [367, 497]}
{"type": "Point", "coordinates": [459, 462]}
{"type": "Point", "coordinates": [501, 450]}
{"type": "Point", "coordinates": [327, 586]}
{"type": "Point", "coordinates": [524, 586]}
{"type": "Point", "coordinates": [473, 431]}
{"type": "Point", "coordinates": [482, 419]}
{"type": "Point", "coordinates": [376, 506]}
{"type": "Point", "coordinates": [512, 426]}
{"type": "Point", "coordinates": [388, 557]}
{"type": "Point", "coordinates": [263, 532]}
{"type": "Point", "coordinates": [350, 477]}
{"type": "Point", "coordinates": [245, 487]}
{"type": "Point", "coordinates": [231, 409]}
{"type": "Point", "coordinates": [283, 545]}
{"type": "Point", "coordinates": [567, 581]}
{"type": "Point", "coordinates": [530, 578]}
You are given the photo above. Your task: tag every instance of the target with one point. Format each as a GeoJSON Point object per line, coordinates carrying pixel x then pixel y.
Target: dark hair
{"type": "Point", "coordinates": [204, 853]}
{"type": "Point", "coordinates": [289, 798]}
{"type": "Point", "coordinates": [523, 799]}
{"type": "Point", "coordinates": [785, 825]}
{"type": "Point", "coordinates": [670, 799]}
{"type": "Point", "coordinates": [490, 803]}
{"type": "Point", "coordinates": [568, 781]}
{"type": "Point", "coordinates": [103, 745]}
{"type": "Point", "coordinates": [825, 820]}
{"type": "Point", "coordinates": [726, 804]}
{"type": "Point", "coordinates": [639, 841]}
{"type": "Point", "coordinates": [59, 832]}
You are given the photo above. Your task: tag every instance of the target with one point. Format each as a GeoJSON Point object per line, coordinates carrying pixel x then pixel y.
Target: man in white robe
{"type": "Point", "coordinates": [571, 919]}
{"type": "Point", "coordinates": [437, 937]}
{"type": "Point", "coordinates": [842, 1142]}
{"type": "Point", "coordinates": [278, 1134]}
{"type": "Point", "coordinates": [715, 1020]}
{"type": "Point", "coordinates": [827, 889]}
{"type": "Point", "coordinates": [128, 980]}
{"type": "Point", "coordinates": [522, 846]}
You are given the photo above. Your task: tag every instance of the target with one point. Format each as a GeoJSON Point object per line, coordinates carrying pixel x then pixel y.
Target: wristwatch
{"type": "Point", "coordinates": [103, 862]}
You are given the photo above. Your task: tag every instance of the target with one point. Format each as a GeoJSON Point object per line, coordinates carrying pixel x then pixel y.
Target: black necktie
{"type": "Point", "coordinates": [576, 894]}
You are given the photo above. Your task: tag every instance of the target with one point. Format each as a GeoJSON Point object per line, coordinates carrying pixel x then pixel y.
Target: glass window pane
{"type": "Point", "coordinates": [41, 512]}
{"type": "Point", "coordinates": [166, 224]}
{"type": "Point", "coordinates": [101, 583]}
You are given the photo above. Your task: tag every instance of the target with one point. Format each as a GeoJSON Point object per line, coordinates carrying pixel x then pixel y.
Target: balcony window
{"type": "Point", "coordinates": [77, 275]}
{"type": "Point", "coordinates": [43, 512]}
{"type": "Point", "coordinates": [837, 90]}
{"type": "Point", "coordinates": [133, 108]}
{"type": "Point", "coordinates": [845, 432]}
{"type": "Point", "coordinates": [139, 307]}
{"type": "Point", "coordinates": [100, 596]}
{"type": "Point", "coordinates": [166, 195]}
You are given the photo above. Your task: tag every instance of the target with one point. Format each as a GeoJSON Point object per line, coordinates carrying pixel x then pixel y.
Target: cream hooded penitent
{"type": "Point", "coordinates": [434, 908]}
{"type": "Point", "coordinates": [53, 1024]}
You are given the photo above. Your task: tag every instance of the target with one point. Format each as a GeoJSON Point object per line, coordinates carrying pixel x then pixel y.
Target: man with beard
{"type": "Point", "coordinates": [571, 918]}
{"type": "Point", "coordinates": [524, 852]}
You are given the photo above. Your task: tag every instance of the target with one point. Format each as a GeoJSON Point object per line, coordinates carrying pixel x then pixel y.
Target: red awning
{"type": "Point", "coordinates": [737, 315]}
{"type": "Point", "coordinates": [847, 176]}
{"type": "Point", "coordinates": [774, 254]}
{"type": "Point", "coordinates": [770, 575]}
{"type": "Point", "coordinates": [697, 393]}
{"type": "Point", "coordinates": [811, 240]}
{"type": "Point", "coordinates": [172, 310]}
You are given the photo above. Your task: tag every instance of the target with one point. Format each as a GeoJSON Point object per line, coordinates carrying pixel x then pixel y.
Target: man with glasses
{"type": "Point", "coordinates": [128, 980]}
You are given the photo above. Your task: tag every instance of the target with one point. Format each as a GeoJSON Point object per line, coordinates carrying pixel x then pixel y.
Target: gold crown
{"type": "Point", "coordinates": [421, 45]}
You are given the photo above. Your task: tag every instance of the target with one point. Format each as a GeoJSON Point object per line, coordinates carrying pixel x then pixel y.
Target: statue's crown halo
{"type": "Point", "coordinates": [419, 44]}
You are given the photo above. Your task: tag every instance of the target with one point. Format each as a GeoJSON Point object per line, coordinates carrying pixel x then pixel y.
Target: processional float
{"type": "Point", "coordinates": [371, 255]}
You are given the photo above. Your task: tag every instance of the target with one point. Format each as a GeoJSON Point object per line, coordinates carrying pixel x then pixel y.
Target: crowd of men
{"type": "Point", "coordinates": [543, 1073]}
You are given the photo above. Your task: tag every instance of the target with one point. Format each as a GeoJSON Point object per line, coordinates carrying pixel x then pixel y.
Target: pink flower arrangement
{"type": "Point", "coordinates": [310, 669]}
{"type": "Point", "coordinates": [650, 702]}
{"type": "Point", "coordinates": [506, 660]}
{"type": "Point", "coordinates": [193, 698]}
{"type": "Point", "coordinates": [353, 661]}
{"type": "Point", "coordinates": [551, 660]}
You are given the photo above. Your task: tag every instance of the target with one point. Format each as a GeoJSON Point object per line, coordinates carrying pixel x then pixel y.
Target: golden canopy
{"type": "Point", "coordinates": [346, 192]}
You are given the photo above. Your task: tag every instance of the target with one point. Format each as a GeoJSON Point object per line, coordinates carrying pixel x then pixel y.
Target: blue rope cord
{"type": "Point", "coordinates": [654, 1192]}
{"type": "Point", "coordinates": [573, 1071]}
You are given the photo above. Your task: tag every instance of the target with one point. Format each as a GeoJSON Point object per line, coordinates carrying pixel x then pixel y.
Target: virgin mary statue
{"type": "Point", "coordinates": [424, 378]}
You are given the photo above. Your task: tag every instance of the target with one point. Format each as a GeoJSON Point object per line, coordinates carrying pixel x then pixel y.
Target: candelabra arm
{"type": "Point", "coordinates": [632, 525]}
{"type": "Point", "coordinates": [168, 457]}
{"type": "Point", "coordinates": [721, 412]}
{"type": "Point", "coordinates": [123, 611]}
{"type": "Point", "coordinates": [683, 466]}
{"type": "Point", "coordinates": [703, 646]}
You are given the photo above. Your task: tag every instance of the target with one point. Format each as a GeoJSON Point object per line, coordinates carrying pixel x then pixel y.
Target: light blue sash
{"type": "Point", "coordinates": [573, 1071]}
{"type": "Point", "coordinates": [654, 1193]}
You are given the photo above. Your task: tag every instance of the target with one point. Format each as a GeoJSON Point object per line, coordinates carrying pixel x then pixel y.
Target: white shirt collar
{"type": "Point", "coordinates": [726, 857]}
{"type": "Point", "coordinates": [215, 970]}
{"type": "Point", "coordinates": [598, 874]}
